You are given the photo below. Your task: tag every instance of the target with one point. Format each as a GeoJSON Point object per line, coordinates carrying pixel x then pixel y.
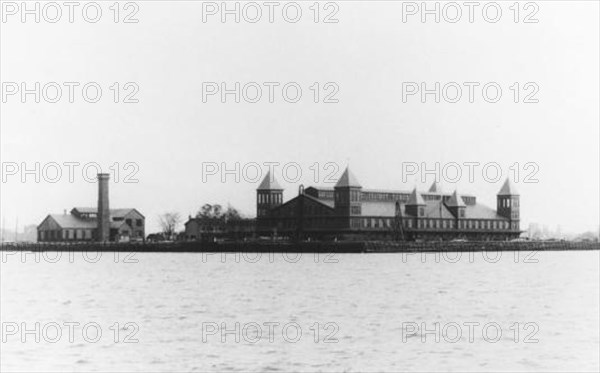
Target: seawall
{"type": "Point", "coordinates": [308, 247]}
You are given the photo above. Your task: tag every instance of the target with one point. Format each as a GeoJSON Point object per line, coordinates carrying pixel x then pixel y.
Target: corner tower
{"type": "Point", "coordinates": [415, 206]}
{"type": "Point", "coordinates": [509, 204]}
{"type": "Point", "coordinates": [347, 195]}
{"type": "Point", "coordinates": [347, 200]}
{"type": "Point", "coordinates": [268, 195]}
{"type": "Point", "coordinates": [456, 205]}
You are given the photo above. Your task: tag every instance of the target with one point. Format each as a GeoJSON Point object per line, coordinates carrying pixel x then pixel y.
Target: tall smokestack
{"type": "Point", "coordinates": [103, 209]}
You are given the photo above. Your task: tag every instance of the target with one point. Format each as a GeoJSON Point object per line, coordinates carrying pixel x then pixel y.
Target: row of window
{"type": "Point", "coordinates": [66, 234]}
{"type": "Point", "coordinates": [75, 234]}
{"type": "Point", "coordinates": [507, 202]}
{"type": "Point", "coordinates": [402, 197]}
{"type": "Point", "coordinates": [325, 194]}
{"type": "Point", "coordinates": [355, 196]}
{"type": "Point", "coordinates": [469, 200]}
{"type": "Point", "coordinates": [434, 223]}
{"type": "Point", "coordinates": [378, 196]}
{"type": "Point", "coordinates": [270, 198]}
{"type": "Point", "coordinates": [316, 222]}
{"type": "Point", "coordinates": [388, 223]}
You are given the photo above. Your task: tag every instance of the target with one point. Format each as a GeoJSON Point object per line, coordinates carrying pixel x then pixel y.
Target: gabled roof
{"type": "Point", "coordinates": [120, 213]}
{"type": "Point", "coordinates": [320, 189]}
{"type": "Point", "coordinates": [437, 209]}
{"type": "Point", "coordinates": [480, 211]}
{"type": "Point", "coordinates": [508, 189]}
{"type": "Point", "coordinates": [85, 210]}
{"type": "Point", "coordinates": [415, 198]}
{"type": "Point", "coordinates": [348, 180]}
{"type": "Point", "coordinates": [114, 213]}
{"type": "Point", "coordinates": [72, 221]}
{"type": "Point", "coordinates": [455, 200]}
{"type": "Point", "coordinates": [305, 196]}
{"type": "Point", "coordinates": [380, 208]}
{"type": "Point", "coordinates": [324, 203]}
{"type": "Point", "coordinates": [269, 183]}
{"type": "Point", "coordinates": [328, 202]}
{"type": "Point", "coordinates": [435, 188]}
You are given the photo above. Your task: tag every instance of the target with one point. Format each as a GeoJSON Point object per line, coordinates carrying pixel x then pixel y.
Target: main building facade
{"type": "Point", "coordinates": [348, 211]}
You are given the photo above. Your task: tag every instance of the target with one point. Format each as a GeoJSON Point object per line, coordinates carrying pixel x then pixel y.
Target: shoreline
{"type": "Point", "coordinates": [350, 247]}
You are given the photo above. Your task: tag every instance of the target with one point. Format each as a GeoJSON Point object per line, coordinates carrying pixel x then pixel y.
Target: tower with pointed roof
{"type": "Point", "coordinates": [269, 195]}
{"type": "Point", "coordinates": [347, 198]}
{"type": "Point", "coordinates": [508, 204]}
{"type": "Point", "coordinates": [415, 206]}
{"type": "Point", "coordinates": [456, 205]}
{"type": "Point", "coordinates": [435, 188]}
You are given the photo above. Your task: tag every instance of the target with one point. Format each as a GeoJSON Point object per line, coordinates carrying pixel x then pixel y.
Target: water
{"type": "Point", "coordinates": [364, 304]}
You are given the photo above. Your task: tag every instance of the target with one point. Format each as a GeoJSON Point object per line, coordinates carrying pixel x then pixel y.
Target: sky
{"type": "Point", "coordinates": [371, 57]}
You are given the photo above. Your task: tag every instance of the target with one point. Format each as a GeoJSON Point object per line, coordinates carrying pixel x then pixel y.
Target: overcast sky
{"type": "Point", "coordinates": [368, 54]}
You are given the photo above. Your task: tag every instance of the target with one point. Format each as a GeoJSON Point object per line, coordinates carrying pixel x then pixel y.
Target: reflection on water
{"type": "Point", "coordinates": [338, 313]}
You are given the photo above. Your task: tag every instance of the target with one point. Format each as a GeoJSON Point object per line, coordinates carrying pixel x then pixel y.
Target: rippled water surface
{"type": "Point", "coordinates": [366, 307]}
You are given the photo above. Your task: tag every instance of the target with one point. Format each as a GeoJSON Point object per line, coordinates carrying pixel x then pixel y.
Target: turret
{"type": "Point", "coordinates": [456, 205]}
{"type": "Point", "coordinates": [269, 195]}
{"type": "Point", "coordinates": [415, 206]}
{"type": "Point", "coordinates": [508, 204]}
{"type": "Point", "coordinates": [435, 188]}
{"type": "Point", "coordinates": [347, 197]}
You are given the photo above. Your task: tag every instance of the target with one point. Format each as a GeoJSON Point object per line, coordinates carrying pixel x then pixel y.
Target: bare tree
{"type": "Point", "coordinates": [231, 214]}
{"type": "Point", "coordinates": [205, 211]}
{"type": "Point", "coordinates": [215, 214]}
{"type": "Point", "coordinates": [168, 223]}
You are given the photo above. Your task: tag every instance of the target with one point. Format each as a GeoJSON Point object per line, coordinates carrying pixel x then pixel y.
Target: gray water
{"type": "Point", "coordinates": [366, 307]}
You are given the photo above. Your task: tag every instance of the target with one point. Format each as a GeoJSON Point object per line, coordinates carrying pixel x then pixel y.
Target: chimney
{"type": "Point", "coordinates": [103, 230]}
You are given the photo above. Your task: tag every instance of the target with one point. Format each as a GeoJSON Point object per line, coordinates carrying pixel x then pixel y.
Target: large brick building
{"type": "Point", "coordinates": [94, 223]}
{"type": "Point", "coordinates": [349, 211]}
